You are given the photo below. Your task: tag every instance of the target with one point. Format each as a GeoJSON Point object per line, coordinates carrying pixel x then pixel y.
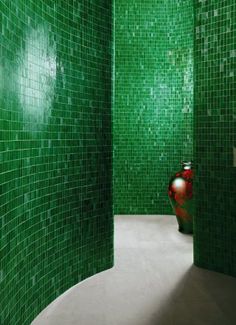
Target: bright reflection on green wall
{"type": "Point", "coordinates": [37, 76]}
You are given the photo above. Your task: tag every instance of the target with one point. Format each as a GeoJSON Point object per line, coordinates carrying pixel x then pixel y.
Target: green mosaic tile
{"type": "Point", "coordinates": [56, 225]}
{"type": "Point", "coordinates": [153, 105]}
{"type": "Point", "coordinates": [215, 135]}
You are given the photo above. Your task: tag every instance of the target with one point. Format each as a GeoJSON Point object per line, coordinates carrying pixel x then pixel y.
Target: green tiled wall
{"type": "Point", "coordinates": [56, 223]}
{"type": "Point", "coordinates": [215, 135]}
{"type": "Point", "coordinates": [153, 109]}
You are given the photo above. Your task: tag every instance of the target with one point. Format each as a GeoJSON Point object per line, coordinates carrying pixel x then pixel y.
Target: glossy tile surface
{"type": "Point", "coordinates": [153, 107]}
{"type": "Point", "coordinates": [215, 135]}
{"type": "Point", "coordinates": [153, 283]}
{"type": "Point", "coordinates": [56, 223]}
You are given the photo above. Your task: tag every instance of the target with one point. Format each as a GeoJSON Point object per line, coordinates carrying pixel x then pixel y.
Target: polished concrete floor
{"type": "Point", "coordinates": [153, 283]}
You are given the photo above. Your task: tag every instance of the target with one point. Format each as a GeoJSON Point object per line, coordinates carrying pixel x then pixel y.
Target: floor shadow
{"type": "Point", "coordinates": [201, 297]}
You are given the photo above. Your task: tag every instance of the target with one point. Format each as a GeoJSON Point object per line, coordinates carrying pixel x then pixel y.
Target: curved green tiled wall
{"type": "Point", "coordinates": [215, 135]}
{"type": "Point", "coordinates": [153, 115]}
{"type": "Point", "coordinates": [56, 224]}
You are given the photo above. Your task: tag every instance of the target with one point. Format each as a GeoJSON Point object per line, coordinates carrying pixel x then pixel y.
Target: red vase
{"type": "Point", "coordinates": [181, 197]}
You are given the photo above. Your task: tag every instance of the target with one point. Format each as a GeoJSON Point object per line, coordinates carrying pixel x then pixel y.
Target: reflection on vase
{"type": "Point", "coordinates": [181, 194]}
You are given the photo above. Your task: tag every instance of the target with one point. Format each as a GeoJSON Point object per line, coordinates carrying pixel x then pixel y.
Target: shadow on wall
{"type": "Point", "coordinates": [201, 297]}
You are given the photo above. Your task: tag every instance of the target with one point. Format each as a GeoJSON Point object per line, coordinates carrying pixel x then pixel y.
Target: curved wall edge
{"type": "Point", "coordinates": [56, 222]}
{"type": "Point", "coordinates": [52, 305]}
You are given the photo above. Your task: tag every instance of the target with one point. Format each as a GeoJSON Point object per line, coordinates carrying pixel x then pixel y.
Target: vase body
{"type": "Point", "coordinates": [180, 193]}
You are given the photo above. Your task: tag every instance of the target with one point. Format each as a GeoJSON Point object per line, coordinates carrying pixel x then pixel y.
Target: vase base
{"type": "Point", "coordinates": [186, 231]}
{"type": "Point", "coordinates": [185, 227]}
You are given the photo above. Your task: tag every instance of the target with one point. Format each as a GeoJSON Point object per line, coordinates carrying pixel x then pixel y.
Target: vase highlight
{"type": "Point", "coordinates": [180, 193]}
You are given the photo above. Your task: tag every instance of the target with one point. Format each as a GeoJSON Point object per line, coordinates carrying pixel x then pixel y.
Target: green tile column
{"type": "Point", "coordinates": [153, 108]}
{"type": "Point", "coordinates": [56, 224]}
{"type": "Point", "coordinates": [215, 135]}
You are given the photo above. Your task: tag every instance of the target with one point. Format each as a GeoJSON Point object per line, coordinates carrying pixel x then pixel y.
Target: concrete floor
{"type": "Point", "coordinates": [153, 283]}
